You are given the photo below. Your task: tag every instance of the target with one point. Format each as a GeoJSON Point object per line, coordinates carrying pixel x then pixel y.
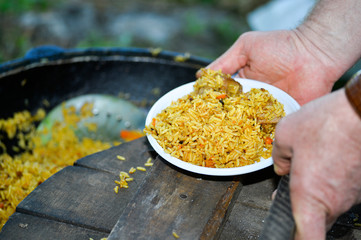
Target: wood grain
{"type": "Point", "coordinates": [170, 200]}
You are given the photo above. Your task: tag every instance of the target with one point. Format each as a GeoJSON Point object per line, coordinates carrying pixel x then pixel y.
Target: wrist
{"type": "Point", "coordinates": [331, 32]}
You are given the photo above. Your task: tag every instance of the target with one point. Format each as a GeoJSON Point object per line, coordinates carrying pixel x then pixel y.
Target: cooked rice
{"type": "Point", "coordinates": [132, 170]}
{"type": "Point", "coordinates": [141, 169]}
{"type": "Point", "coordinates": [22, 173]}
{"type": "Point", "coordinates": [121, 158]}
{"type": "Point", "coordinates": [175, 234]}
{"type": "Point", "coordinates": [212, 127]}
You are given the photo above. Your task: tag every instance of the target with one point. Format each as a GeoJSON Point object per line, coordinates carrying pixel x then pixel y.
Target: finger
{"type": "Point", "coordinates": [232, 60]}
{"type": "Point", "coordinates": [253, 74]}
{"type": "Point", "coordinates": [282, 151]}
{"type": "Point", "coordinates": [241, 73]}
{"type": "Point", "coordinates": [273, 196]}
{"type": "Point", "coordinates": [281, 159]}
{"type": "Point", "coordinates": [249, 74]}
{"type": "Point", "coordinates": [310, 227]}
{"type": "Point", "coordinates": [310, 218]}
{"type": "Point", "coordinates": [282, 166]}
{"type": "Point", "coordinates": [229, 63]}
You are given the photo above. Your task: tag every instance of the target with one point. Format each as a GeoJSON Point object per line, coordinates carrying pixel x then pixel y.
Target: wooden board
{"type": "Point", "coordinates": [79, 196]}
{"type": "Point", "coordinates": [82, 196]}
{"type": "Point", "coordinates": [136, 153]}
{"type": "Point", "coordinates": [79, 202]}
{"type": "Point", "coordinates": [193, 206]}
{"type": "Point", "coordinates": [25, 227]}
{"type": "Point", "coordinates": [85, 196]}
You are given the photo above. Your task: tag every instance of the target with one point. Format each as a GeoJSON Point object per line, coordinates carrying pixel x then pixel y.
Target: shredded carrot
{"type": "Point", "coordinates": [129, 135]}
{"type": "Point", "coordinates": [222, 96]}
{"type": "Point", "coordinates": [209, 163]}
{"type": "Point", "coordinates": [268, 140]}
{"type": "Point", "coordinates": [153, 122]}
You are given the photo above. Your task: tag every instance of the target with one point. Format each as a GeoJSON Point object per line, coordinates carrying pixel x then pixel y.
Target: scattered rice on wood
{"type": "Point", "coordinates": [141, 169]}
{"type": "Point", "coordinates": [123, 174]}
{"type": "Point", "coordinates": [175, 234]}
{"type": "Point", "coordinates": [121, 157]}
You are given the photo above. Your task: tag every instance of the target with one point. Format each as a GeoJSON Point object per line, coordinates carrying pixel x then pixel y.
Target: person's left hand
{"type": "Point", "coordinates": [285, 59]}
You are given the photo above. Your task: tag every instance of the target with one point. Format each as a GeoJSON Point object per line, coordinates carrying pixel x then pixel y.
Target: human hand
{"type": "Point", "coordinates": [320, 147]}
{"type": "Point", "coordinates": [285, 59]}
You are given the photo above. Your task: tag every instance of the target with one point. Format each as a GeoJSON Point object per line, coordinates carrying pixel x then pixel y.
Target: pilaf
{"type": "Point", "coordinates": [37, 159]}
{"type": "Point", "coordinates": [218, 125]}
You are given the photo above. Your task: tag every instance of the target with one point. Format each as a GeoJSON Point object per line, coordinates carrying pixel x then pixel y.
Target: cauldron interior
{"type": "Point", "coordinates": [52, 75]}
{"type": "Point", "coordinates": [61, 75]}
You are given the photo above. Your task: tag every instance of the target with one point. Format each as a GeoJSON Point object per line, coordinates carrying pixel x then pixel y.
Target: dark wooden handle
{"type": "Point", "coordinates": [353, 92]}
{"type": "Point", "coordinates": [279, 223]}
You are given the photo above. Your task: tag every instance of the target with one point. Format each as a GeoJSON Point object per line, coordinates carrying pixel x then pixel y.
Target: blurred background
{"type": "Point", "coordinates": [204, 28]}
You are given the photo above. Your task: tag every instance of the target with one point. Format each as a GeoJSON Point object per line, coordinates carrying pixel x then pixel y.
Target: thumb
{"type": "Point", "coordinates": [310, 220]}
{"type": "Point", "coordinates": [230, 61]}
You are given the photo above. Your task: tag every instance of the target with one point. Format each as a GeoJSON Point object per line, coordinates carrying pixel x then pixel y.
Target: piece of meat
{"type": "Point", "coordinates": [231, 87]}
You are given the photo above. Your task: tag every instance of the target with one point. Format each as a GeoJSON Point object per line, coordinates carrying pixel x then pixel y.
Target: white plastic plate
{"type": "Point", "coordinates": [290, 105]}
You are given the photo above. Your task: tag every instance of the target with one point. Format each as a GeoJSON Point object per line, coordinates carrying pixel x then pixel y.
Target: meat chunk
{"type": "Point", "coordinates": [230, 87]}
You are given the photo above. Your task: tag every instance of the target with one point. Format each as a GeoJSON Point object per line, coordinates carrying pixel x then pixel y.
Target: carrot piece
{"type": "Point", "coordinates": [153, 122]}
{"type": "Point", "coordinates": [129, 135]}
{"type": "Point", "coordinates": [268, 140]}
{"type": "Point", "coordinates": [222, 96]}
{"type": "Point", "coordinates": [209, 163]}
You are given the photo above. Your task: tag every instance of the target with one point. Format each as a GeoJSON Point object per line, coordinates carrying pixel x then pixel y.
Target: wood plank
{"type": "Point", "coordinates": [135, 152]}
{"type": "Point", "coordinates": [193, 206]}
{"type": "Point", "coordinates": [83, 194]}
{"type": "Point", "coordinates": [22, 226]}
{"type": "Point", "coordinates": [79, 196]}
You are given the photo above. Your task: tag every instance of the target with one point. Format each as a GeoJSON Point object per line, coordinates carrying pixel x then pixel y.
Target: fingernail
{"type": "Point", "coordinates": [198, 73]}
{"type": "Point", "coordinates": [276, 169]}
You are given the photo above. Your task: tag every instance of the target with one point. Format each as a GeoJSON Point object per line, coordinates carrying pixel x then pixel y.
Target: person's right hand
{"type": "Point", "coordinates": [285, 59]}
{"type": "Point", "coordinates": [319, 146]}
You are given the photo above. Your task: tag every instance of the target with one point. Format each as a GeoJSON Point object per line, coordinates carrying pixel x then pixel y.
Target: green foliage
{"type": "Point", "coordinates": [193, 2]}
{"type": "Point", "coordinates": [225, 31]}
{"type": "Point", "coordinates": [19, 6]}
{"type": "Point", "coordinates": [14, 44]}
{"type": "Point", "coordinates": [194, 26]}
{"type": "Point", "coordinates": [95, 39]}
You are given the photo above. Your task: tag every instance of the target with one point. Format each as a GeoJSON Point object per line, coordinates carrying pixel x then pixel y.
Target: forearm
{"type": "Point", "coordinates": [333, 29]}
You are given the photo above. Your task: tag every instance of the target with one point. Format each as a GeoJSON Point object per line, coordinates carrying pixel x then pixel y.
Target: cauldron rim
{"type": "Point", "coordinates": [47, 55]}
